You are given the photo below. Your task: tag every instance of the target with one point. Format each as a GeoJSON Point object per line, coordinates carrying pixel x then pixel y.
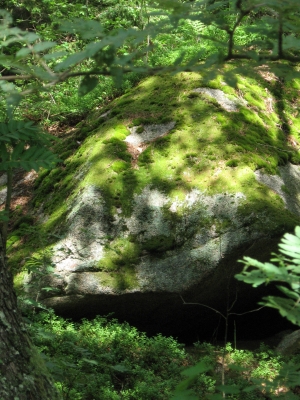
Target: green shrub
{"type": "Point", "coordinates": [104, 360]}
{"type": "Point", "coordinates": [232, 163]}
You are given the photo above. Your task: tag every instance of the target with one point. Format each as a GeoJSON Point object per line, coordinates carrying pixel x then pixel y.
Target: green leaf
{"type": "Point", "coordinates": [17, 151]}
{"type": "Point", "coordinates": [290, 293]}
{"type": "Point", "coordinates": [87, 84]}
{"type": "Point", "coordinates": [30, 37]}
{"type": "Point", "coordinates": [120, 368]}
{"type": "Point", "coordinates": [71, 60]}
{"type": "Point", "coordinates": [291, 42]}
{"type": "Point", "coordinates": [196, 370]}
{"type": "Point", "coordinates": [92, 362]}
{"type": "Point", "coordinates": [33, 157]}
{"type": "Point", "coordinates": [23, 52]}
{"type": "Point", "coordinates": [13, 99]}
{"type": "Point", "coordinates": [55, 55]}
{"type": "Point", "coordinates": [286, 307]}
{"type": "Point", "coordinates": [182, 389]}
{"type": "Point", "coordinates": [6, 18]}
{"type": "Point", "coordinates": [42, 74]}
{"type": "Point", "coordinates": [42, 46]}
{"type": "Point", "coordinates": [88, 29]}
{"type": "Point", "coordinates": [4, 217]}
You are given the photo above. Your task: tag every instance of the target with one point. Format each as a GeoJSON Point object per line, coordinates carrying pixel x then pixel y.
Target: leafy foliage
{"type": "Point", "coordinates": [24, 145]}
{"type": "Point", "coordinates": [103, 359]}
{"type": "Point", "coordinates": [286, 270]}
{"type": "Point", "coordinates": [249, 375]}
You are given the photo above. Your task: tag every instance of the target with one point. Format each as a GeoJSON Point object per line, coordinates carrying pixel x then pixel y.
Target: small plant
{"type": "Point", "coordinates": [103, 359]}
{"type": "Point", "coordinates": [286, 270]}
{"type": "Point", "coordinates": [232, 163]}
{"type": "Point", "coordinates": [140, 129]}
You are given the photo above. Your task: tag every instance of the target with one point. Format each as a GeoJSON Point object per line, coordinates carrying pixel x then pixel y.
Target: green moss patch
{"type": "Point", "coordinates": [120, 252]}
{"type": "Point", "coordinates": [118, 264]}
{"type": "Point", "coordinates": [118, 280]}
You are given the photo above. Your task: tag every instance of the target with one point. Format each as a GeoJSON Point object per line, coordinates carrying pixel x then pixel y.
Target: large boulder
{"type": "Point", "coordinates": [290, 344]}
{"type": "Point", "coordinates": [176, 181]}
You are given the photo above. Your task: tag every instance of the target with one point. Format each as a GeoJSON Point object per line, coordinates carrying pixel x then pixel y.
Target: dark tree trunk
{"type": "Point", "coordinates": [23, 375]}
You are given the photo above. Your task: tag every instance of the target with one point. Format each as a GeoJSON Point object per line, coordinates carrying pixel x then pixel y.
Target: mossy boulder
{"type": "Point", "coordinates": [165, 211]}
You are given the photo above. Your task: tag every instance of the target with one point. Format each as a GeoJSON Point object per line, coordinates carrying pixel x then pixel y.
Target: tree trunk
{"type": "Point", "coordinates": [23, 375]}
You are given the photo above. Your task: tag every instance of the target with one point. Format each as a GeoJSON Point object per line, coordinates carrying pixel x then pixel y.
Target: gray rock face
{"type": "Point", "coordinates": [186, 248]}
{"type": "Point", "coordinates": [287, 185]}
{"type": "Point", "coordinates": [222, 99]}
{"type": "Point", "coordinates": [173, 255]}
{"type": "Point", "coordinates": [150, 133]}
{"type": "Point", "coordinates": [290, 344]}
{"type": "Point", "coordinates": [87, 227]}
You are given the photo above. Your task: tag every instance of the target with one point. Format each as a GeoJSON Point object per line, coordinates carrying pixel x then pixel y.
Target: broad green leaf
{"type": "Point", "coordinates": [92, 362]}
{"type": "Point", "coordinates": [30, 37]}
{"type": "Point", "coordinates": [87, 84]}
{"type": "Point", "coordinates": [4, 153]}
{"type": "Point", "coordinates": [32, 303]}
{"type": "Point", "coordinates": [289, 375]}
{"type": "Point", "coordinates": [286, 308]}
{"type": "Point", "coordinates": [42, 74]}
{"type": "Point", "coordinates": [291, 42]}
{"type": "Point", "coordinates": [196, 369]}
{"type": "Point", "coordinates": [23, 52]}
{"type": "Point", "coordinates": [182, 389]}
{"type": "Point", "coordinates": [88, 29]}
{"type": "Point", "coordinates": [13, 100]}
{"type": "Point", "coordinates": [71, 60]}
{"type": "Point", "coordinates": [55, 55]}
{"type": "Point", "coordinates": [32, 158]}
{"type": "Point", "coordinates": [6, 18]}
{"type": "Point", "coordinates": [229, 389]}
{"type": "Point", "coordinates": [297, 231]}
{"type": "Point", "coordinates": [4, 217]}
{"type": "Point", "coordinates": [290, 293]}
{"type": "Point", "coordinates": [12, 126]}
{"type": "Point", "coordinates": [42, 46]}
{"type": "Point", "coordinates": [7, 87]}
{"type": "Point", "coordinates": [17, 151]}
{"type": "Point", "coordinates": [119, 368]}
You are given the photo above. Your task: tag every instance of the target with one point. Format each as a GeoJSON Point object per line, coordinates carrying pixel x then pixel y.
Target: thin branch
{"type": "Point", "coordinates": [248, 312]}
{"type": "Point", "coordinates": [203, 305]}
{"type": "Point", "coordinates": [16, 77]}
{"type": "Point", "coordinates": [232, 304]}
{"type": "Point", "coordinates": [218, 312]}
